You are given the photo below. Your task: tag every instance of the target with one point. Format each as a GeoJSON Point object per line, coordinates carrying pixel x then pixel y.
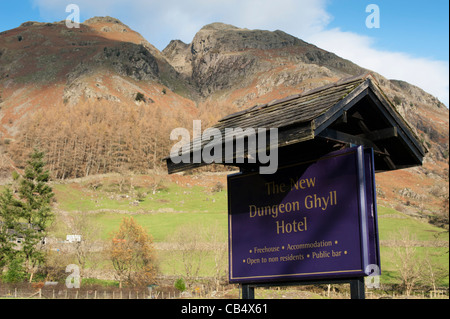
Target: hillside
{"type": "Point", "coordinates": [178, 204]}
{"type": "Point", "coordinates": [102, 99]}
{"type": "Point", "coordinates": [87, 83]}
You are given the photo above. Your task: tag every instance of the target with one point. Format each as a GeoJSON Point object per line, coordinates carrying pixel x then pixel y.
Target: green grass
{"type": "Point", "coordinates": [100, 282]}
{"type": "Point", "coordinates": [71, 197]}
{"type": "Point", "coordinates": [172, 207]}
{"type": "Point", "coordinates": [160, 225]}
{"type": "Point", "coordinates": [171, 264]}
{"type": "Point", "coordinates": [390, 222]}
{"type": "Point", "coordinates": [390, 274]}
{"type": "Point", "coordinates": [161, 214]}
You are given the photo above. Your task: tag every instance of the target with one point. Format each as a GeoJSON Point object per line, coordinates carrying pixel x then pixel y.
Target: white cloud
{"type": "Point", "coordinates": [430, 75]}
{"type": "Point", "coordinates": [182, 19]}
{"type": "Point", "coordinates": [55, 9]}
{"type": "Point", "coordinates": [161, 21]}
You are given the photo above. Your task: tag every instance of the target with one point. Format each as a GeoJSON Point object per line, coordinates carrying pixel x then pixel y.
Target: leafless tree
{"type": "Point", "coordinates": [406, 259]}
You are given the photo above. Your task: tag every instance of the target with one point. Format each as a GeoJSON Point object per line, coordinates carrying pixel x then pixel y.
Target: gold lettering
{"type": "Point", "coordinates": [250, 208]}
{"type": "Point", "coordinates": [294, 183]}
{"type": "Point", "coordinates": [267, 211]}
{"type": "Point", "coordinates": [317, 201]}
{"type": "Point", "coordinates": [269, 187]}
{"type": "Point", "coordinates": [273, 188]}
{"type": "Point", "coordinates": [288, 207]}
{"type": "Point", "coordinates": [311, 182]}
{"type": "Point", "coordinates": [308, 202]}
{"type": "Point", "coordinates": [295, 226]}
{"type": "Point", "coordinates": [273, 210]}
{"type": "Point", "coordinates": [323, 202]}
{"type": "Point", "coordinates": [302, 183]}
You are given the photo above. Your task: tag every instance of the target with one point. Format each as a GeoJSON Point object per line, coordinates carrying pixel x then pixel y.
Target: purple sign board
{"type": "Point", "coordinates": [313, 220]}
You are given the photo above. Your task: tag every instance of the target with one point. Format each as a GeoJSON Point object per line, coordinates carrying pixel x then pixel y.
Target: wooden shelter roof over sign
{"type": "Point", "coordinates": [353, 111]}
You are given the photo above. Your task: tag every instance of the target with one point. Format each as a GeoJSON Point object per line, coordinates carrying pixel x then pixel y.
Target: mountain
{"type": "Point", "coordinates": [86, 96]}
{"type": "Point", "coordinates": [101, 98]}
{"type": "Point", "coordinates": [47, 63]}
{"type": "Point", "coordinates": [222, 57]}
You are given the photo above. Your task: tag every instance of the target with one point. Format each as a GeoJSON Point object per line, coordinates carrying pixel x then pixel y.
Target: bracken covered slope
{"type": "Point", "coordinates": [59, 87]}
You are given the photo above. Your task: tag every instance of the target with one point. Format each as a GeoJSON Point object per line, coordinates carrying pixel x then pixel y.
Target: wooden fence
{"type": "Point", "coordinates": [45, 293]}
{"type": "Point", "coordinates": [61, 292]}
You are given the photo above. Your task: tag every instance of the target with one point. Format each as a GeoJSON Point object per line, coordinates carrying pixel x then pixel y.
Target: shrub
{"type": "Point", "coordinates": [16, 272]}
{"type": "Point", "coordinates": [180, 285]}
{"type": "Point", "coordinates": [140, 97]}
{"type": "Point", "coordinates": [218, 187]}
{"type": "Point", "coordinates": [397, 100]}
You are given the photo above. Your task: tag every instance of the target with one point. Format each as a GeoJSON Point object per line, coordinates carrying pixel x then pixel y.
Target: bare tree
{"type": "Point", "coordinates": [406, 259]}
{"type": "Point", "coordinates": [218, 249]}
{"type": "Point", "coordinates": [90, 245]}
{"type": "Point", "coordinates": [433, 271]}
{"type": "Point", "coordinates": [188, 242]}
{"type": "Point", "coordinates": [194, 245]}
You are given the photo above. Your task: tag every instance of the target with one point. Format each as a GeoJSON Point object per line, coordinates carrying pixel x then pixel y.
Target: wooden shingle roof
{"type": "Point", "coordinates": [352, 111]}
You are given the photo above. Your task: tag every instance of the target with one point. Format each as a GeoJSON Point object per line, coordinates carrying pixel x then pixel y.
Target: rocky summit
{"type": "Point", "coordinates": [49, 73]}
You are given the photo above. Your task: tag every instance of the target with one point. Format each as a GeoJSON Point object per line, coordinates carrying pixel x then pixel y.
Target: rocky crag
{"type": "Point", "coordinates": [104, 61]}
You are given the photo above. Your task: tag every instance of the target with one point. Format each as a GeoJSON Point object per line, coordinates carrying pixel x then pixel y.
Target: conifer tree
{"type": "Point", "coordinates": [35, 196]}
{"type": "Point", "coordinates": [29, 214]}
{"type": "Point", "coordinates": [8, 220]}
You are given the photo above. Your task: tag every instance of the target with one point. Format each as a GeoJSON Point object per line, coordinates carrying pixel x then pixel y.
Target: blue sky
{"type": "Point", "coordinates": [411, 44]}
{"type": "Point", "coordinates": [420, 28]}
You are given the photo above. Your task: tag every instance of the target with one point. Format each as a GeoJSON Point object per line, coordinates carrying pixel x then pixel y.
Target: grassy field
{"type": "Point", "coordinates": [170, 207]}
{"type": "Point", "coordinates": [432, 242]}
{"type": "Point", "coordinates": [162, 213]}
